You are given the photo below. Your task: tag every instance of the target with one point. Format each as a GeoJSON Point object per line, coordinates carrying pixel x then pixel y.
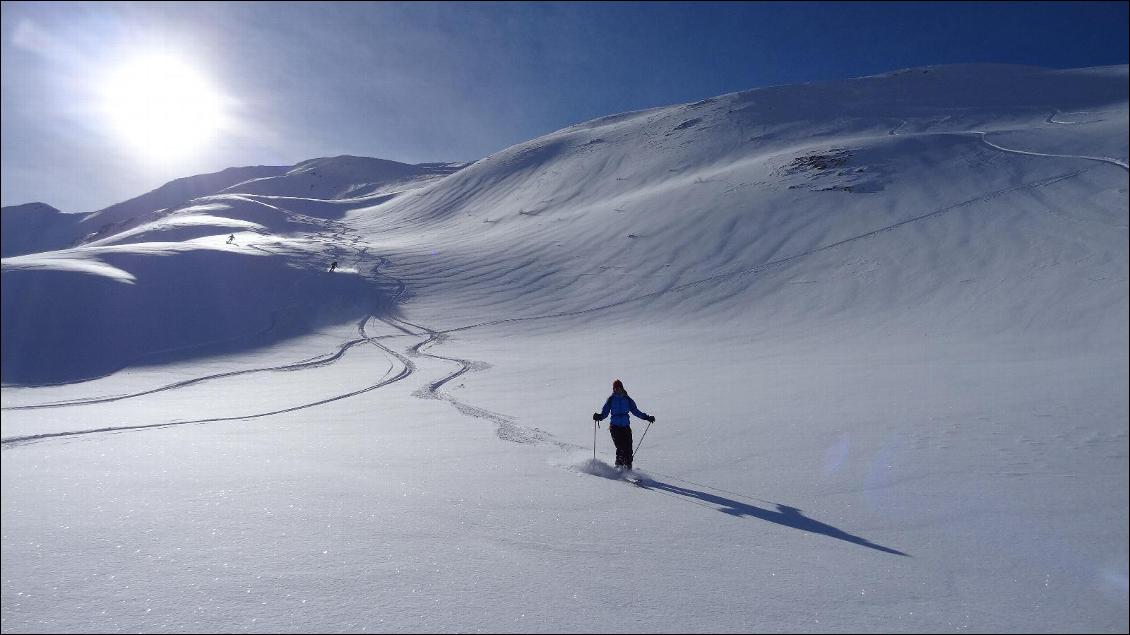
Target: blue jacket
{"type": "Point", "coordinates": [620, 406]}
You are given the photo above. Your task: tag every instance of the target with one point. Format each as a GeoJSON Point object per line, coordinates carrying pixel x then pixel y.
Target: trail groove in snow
{"type": "Point", "coordinates": [407, 369]}
{"type": "Point", "coordinates": [1113, 161]}
{"type": "Point", "coordinates": [315, 362]}
{"type": "Point", "coordinates": [507, 429]}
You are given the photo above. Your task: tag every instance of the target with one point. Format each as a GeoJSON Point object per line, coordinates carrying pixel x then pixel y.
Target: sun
{"type": "Point", "coordinates": [162, 107]}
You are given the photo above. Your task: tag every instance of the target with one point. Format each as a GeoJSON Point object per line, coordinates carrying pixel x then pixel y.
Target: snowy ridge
{"type": "Point", "coordinates": [176, 193]}
{"type": "Point", "coordinates": [342, 177]}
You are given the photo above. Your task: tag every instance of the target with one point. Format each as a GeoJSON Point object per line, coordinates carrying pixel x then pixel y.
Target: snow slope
{"type": "Point", "coordinates": [882, 323]}
{"type": "Point", "coordinates": [160, 280]}
{"type": "Point", "coordinates": [34, 227]}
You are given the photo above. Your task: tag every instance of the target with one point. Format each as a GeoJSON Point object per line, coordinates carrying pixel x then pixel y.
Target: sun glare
{"type": "Point", "coordinates": [162, 107]}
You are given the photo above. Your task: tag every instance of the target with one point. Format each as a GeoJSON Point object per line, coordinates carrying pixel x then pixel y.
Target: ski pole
{"type": "Point", "coordinates": [595, 425]}
{"type": "Point", "coordinates": [641, 440]}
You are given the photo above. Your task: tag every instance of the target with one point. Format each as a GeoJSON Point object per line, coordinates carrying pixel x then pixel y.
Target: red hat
{"type": "Point", "coordinates": [617, 386]}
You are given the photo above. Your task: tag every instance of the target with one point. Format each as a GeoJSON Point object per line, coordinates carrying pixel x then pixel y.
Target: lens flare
{"type": "Point", "coordinates": [162, 107]}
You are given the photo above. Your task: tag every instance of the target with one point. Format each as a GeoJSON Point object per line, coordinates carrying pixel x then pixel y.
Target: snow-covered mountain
{"type": "Point", "coordinates": [882, 323]}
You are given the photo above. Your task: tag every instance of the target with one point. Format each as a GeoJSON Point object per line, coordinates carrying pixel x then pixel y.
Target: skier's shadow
{"type": "Point", "coordinates": [785, 515]}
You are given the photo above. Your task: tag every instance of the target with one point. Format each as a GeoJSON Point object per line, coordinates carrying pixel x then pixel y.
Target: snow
{"type": "Point", "coordinates": [34, 227]}
{"type": "Point", "coordinates": [341, 177]}
{"type": "Point", "coordinates": [882, 325]}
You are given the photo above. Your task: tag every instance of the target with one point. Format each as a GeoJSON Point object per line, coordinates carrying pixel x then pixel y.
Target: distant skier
{"type": "Point", "coordinates": [333, 266]}
{"type": "Point", "coordinates": [231, 238]}
{"type": "Point", "coordinates": [620, 404]}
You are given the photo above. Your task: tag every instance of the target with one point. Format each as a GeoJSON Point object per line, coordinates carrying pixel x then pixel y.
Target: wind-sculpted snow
{"type": "Point", "coordinates": [881, 322]}
{"type": "Point", "coordinates": [174, 303]}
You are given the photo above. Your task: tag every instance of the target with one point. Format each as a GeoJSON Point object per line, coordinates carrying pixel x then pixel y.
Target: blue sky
{"type": "Point", "coordinates": [421, 82]}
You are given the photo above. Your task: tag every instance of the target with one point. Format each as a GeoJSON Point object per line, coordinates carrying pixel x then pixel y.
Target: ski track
{"type": "Point", "coordinates": [1111, 160]}
{"type": "Point", "coordinates": [407, 369]}
{"type": "Point", "coordinates": [1051, 120]}
{"type": "Point", "coordinates": [315, 362]}
{"type": "Point", "coordinates": [507, 429]}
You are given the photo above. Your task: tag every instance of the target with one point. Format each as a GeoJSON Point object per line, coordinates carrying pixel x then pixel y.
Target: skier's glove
{"type": "Point", "coordinates": [596, 416]}
{"type": "Point", "coordinates": [651, 419]}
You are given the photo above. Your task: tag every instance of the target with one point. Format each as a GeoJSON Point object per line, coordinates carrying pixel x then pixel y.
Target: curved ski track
{"type": "Point", "coordinates": [408, 367]}
{"type": "Point", "coordinates": [507, 429]}
{"type": "Point", "coordinates": [321, 360]}
{"type": "Point", "coordinates": [1111, 160]}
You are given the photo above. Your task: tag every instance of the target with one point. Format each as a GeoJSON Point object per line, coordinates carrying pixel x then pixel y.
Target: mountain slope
{"type": "Point", "coordinates": [949, 157]}
{"type": "Point", "coordinates": [159, 279]}
{"type": "Point", "coordinates": [34, 227]}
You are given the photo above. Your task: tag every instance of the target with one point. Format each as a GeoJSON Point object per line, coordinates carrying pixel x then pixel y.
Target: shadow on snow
{"type": "Point", "coordinates": [783, 515]}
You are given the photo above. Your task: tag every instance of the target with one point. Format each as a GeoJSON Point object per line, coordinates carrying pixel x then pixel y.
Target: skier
{"type": "Point", "coordinates": [333, 266]}
{"type": "Point", "coordinates": [620, 404]}
{"type": "Point", "coordinates": [231, 238]}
